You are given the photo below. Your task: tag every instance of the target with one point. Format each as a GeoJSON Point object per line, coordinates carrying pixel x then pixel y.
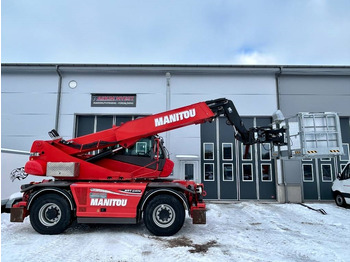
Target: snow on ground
{"type": "Point", "coordinates": [244, 231]}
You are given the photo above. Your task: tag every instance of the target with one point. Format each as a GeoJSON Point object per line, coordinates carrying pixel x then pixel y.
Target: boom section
{"type": "Point", "coordinates": [130, 132]}
{"type": "Point", "coordinates": [267, 134]}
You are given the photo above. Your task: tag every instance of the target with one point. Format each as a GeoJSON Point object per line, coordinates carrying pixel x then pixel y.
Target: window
{"type": "Point", "coordinates": [266, 174]}
{"type": "Point", "coordinates": [141, 148]}
{"type": "Point", "coordinates": [327, 175]}
{"type": "Point", "coordinates": [308, 173]}
{"type": "Point", "coordinates": [123, 119]}
{"type": "Point", "coordinates": [246, 152]}
{"type": "Point", "coordinates": [265, 151]}
{"type": "Point", "coordinates": [345, 173]}
{"type": "Point", "coordinates": [227, 151]}
{"type": "Point", "coordinates": [342, 166]}
{"type": "Point", "coordinates": [104, 122]}
{"type": "Point", "coordinates": [247, 172]}
{"type": "Point", "coordinates": [85, 125]}
{"type": "Point", "coordinates": [227, 172]}
{"type": "Point", "coordinates": [208, 172]}
{"type": "Point", "coordinates": [345, 157]}
{"type": "Point", "coordinates": [88, 124]}
{"type": "Point", "coordinates": [208, 151]}
{"type": "Point", "coordinates": [189, 171]}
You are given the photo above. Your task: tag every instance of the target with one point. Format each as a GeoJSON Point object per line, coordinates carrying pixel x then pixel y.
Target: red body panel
{"type": "Point", "coordinates": [88, 171]}
{"type": "Point", "coordinates": [118, 200]}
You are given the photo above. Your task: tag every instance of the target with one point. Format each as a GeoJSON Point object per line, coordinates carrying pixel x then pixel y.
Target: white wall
{"type": "Point", "coordinates": [150, 90]}
{"type": "Point", "coordinates": [28, 108]}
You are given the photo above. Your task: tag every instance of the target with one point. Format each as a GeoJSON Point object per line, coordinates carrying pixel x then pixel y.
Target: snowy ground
{"type": "Point", "coordinates": [245, 231]}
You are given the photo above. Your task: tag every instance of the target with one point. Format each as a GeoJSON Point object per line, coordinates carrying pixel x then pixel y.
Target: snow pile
{"type": "Point", "coordinates": [245, 231]}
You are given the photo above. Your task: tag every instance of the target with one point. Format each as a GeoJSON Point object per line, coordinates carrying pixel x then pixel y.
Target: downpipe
{"type": "Point", "coordinates": [59, 93]}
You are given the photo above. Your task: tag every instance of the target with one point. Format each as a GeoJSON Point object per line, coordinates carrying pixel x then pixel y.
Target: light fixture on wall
{"type": "Point", "coordinates": [73, 84]}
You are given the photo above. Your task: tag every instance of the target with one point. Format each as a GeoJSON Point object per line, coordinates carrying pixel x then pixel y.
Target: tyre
{"type": "Point", "coordinates": [164, 215]}
{"type": "Point", "coordinates": [339, 200]}
{"type": "Point", "coordinates": [50, 214]}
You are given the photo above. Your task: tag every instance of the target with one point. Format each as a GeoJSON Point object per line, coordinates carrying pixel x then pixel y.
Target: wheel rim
{"type": "Point", "coordinates": [164, 215]}
{"type": "Point", "coordinates": [50, 214]}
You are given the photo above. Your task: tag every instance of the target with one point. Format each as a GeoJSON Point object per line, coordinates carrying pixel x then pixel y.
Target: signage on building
{"type": "Point", "coordinates": [113, 100]}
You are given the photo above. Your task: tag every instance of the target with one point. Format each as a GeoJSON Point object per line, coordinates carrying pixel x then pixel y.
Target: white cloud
{"type": "Point", "coordinates": [256, 58]}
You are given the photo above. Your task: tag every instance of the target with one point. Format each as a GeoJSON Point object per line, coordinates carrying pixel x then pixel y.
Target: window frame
{"type": "Point", "coordinates": [251, 153]}
{"type": "Point", "coordinates": [331, 171]}
{"type": "Point", "coordinates": [270, 172]}
{"type": "Point", "coordinates": [261, 150]}
{"type": "Point", "coordinates": [312, 173]}
{"type": "Point", "coordinates": [193, 171]}
{"type": "Point", "coordinates": [222, 151]}
{"type": "Point", "coordinates": [212, 144]}
{"type": "Point", "coordinates": [204, 171]}
{"type": "Point", "coordinates": [252, 172]}
{"type": "Point", "coordinates": [223, 172]}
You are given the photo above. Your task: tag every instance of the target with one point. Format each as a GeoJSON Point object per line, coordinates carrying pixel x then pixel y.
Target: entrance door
{"type": "Point", "coordinates": [247, 167]}
{"type": "Point", "coordinates": [318, 175]}
{"type": "Point", "coordinates": [266, 167]}
{"type": "Point", "coordinates": [227, 162]}
{"type": "Point", "coordinates": [310, 180]}
{"type": "Point", "coordinates": [208, 160]}
{"type": "Point", "coordinates": [326, 167]}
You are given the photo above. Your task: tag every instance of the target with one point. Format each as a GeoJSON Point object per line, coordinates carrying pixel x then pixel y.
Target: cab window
{"type": "Point", "coordinates": [143, 147]}
{"type": "Point", "coordinates": [346, 173]}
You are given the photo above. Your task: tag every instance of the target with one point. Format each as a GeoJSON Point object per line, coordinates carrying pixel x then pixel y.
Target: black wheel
{"type": "Point", "coordinates": [164, 215]}
{"type": "Point", "coordinates": [339, 200]}
{"type": "Point", "coordinates": [50, 214]}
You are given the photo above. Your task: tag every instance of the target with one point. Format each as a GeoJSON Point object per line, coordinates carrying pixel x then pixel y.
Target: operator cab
{"type": "Point", "coordinates": [341, 187]}
{"type": "Point", "coordinates": [147, 152]}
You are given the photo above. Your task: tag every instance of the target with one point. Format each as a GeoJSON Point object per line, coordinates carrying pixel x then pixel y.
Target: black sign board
{"type": "Point", "coordinates": [113, 100]}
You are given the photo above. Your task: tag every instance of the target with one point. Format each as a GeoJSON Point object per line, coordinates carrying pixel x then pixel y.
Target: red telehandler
{"type": "Point", "coordinates": [120, 175]}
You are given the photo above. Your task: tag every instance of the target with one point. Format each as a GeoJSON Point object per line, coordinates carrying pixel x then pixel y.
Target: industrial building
{"type": "Point", "coordinates": [78, 99]}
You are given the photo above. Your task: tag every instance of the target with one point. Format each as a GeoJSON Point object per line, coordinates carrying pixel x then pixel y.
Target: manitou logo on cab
{"type": "Point", "coordinates": [174, 117]}
{"type": "Point", "coordinates": [108, 202]}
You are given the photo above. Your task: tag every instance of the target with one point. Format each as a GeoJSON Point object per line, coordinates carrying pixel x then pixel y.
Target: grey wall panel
{"type": "Point", "coordinates": [315, 94]}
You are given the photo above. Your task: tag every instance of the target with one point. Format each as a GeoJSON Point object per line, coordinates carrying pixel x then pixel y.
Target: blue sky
{"type": "Point", "coordinates": [291, 32]}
